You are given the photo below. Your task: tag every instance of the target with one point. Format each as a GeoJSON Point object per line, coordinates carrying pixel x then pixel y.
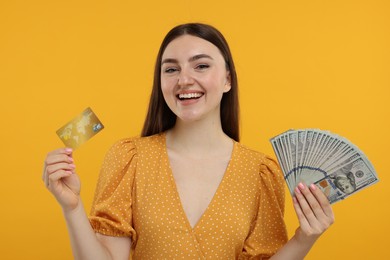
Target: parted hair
{"type": "Point", "coordinates": [160, 118]}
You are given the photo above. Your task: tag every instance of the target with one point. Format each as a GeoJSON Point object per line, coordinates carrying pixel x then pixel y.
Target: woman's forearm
{"type": "Point", "coordinates": [293, 250]}
{"type": "Point", "coordinates": [85, 244]}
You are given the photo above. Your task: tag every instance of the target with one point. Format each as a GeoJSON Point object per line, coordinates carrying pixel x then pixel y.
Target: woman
{"type": "Point", "coordinates": [187, 189]}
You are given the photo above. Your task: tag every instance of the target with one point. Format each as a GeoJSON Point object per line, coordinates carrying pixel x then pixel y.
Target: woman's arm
{"type": "Point", "coordinates": [86, 244]}
{"type": "Point", "coordinates": [315, 216]}
{"type": "Point", "coordinates": [62, 181]}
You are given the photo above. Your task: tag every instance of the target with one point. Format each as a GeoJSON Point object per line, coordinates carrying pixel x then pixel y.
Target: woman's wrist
{"type": "Point", "coordinates": [304, 240]}
{"type": "Point", "coordinates": [75, 210]}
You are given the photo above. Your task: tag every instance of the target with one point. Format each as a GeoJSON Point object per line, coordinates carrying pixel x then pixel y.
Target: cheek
{"type": "Point", "coordinates": [167, 90]}
{"type": "Point", "coordinates": [165, 94]}
{"type": "Point", "coordinates": [212, 82]}
{"type": "Point", "coordinates": [168, 82]}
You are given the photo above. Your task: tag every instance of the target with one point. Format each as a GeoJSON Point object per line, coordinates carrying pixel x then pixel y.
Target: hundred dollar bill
{"type": "Point", "coordinates": [317, 156]}
{"type": "Point", "coordinates": [353, 177]}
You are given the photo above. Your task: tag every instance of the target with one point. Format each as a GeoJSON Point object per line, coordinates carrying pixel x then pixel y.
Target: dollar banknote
{"type": "Point", "coordinates": [337, 166]}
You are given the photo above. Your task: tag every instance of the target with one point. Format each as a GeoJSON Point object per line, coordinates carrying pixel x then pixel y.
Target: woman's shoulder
{"type": "Point", "coordinates": [267, 167]}
{"type": "Point", "coordinates": [252, 156]}
{"type": "Point", "coordinates": [249, 152]}
{"type": "Point", "coordinates": [138, 143]}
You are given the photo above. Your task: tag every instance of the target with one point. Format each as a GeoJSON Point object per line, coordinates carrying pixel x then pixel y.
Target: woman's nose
{"type": "Point", "coordinates": [185, 78]}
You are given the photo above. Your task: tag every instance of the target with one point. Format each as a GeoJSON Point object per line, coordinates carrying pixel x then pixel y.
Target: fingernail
{"type": "Point", "coordinates": [301, 186]}
{"type": "Point", "coordinates": [68, 150]}
{"type": "Point", "coordinates": [313, 187]}
{"type": "Point", "coordinates": [297, 190]}
{"type": "Point", "coordinates": [72, 166]}
{"type": "Point", "coordinates": [70, 159]}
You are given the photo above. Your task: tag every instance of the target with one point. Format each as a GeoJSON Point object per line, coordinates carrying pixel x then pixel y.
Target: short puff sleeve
{"type": "Point", "coordinates": [111, 212]}
{"type": "Point", "coordinates": [268, 232]}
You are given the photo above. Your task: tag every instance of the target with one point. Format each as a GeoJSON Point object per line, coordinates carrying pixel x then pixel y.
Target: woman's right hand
{"type": "Point", "coordinates": [61, 179]}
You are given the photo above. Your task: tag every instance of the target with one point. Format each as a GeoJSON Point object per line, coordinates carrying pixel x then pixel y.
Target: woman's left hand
{"type": "Point", "coordinates": [314, 213]}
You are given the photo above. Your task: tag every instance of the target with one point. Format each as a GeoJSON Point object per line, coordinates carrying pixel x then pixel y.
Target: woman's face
{"type": "Point", "coordinates": [193, 78]}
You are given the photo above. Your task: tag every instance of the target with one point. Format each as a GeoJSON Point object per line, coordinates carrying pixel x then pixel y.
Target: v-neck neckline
{"type": "Point", "coordinates": [176, 191]}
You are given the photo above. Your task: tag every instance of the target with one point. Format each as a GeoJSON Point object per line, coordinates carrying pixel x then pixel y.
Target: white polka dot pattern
{"type": "Point", "coordinates": [136, 196]}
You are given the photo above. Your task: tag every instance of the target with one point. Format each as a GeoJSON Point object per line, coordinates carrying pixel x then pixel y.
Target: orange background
{"type": "Point", "coordinates": [321, 64]}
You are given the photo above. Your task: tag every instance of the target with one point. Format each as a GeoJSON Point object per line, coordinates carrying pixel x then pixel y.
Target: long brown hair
{"type": "Point", "coordinates": [160, 118]}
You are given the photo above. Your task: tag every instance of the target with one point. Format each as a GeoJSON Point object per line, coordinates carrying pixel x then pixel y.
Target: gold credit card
{"type": "Point", "coordinates": [80, 129]}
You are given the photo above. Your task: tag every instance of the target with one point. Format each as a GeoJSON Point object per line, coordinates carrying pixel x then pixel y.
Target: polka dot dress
{"type": "Point", "coordinates": [136, 196]}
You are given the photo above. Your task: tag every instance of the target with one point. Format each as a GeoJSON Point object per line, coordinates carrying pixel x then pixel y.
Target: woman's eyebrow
{"type": "Point", "coordinates": [168, 60]}
{"type": "Point", "coordinates": [193, 58]}
{"type": "Point", "coordinates": [200, 56]}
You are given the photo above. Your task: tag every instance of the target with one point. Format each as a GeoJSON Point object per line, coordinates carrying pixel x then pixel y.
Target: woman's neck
{"type": "Point", "coordinates": [198, 137]}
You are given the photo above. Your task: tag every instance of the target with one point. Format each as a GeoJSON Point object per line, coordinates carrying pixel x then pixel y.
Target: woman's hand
{"type": "Point", "coordinates": [314, 213]}
{"type": "Point", "coordinates": [61, 179]}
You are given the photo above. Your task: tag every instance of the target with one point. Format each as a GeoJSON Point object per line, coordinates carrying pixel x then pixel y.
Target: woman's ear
{"type": "Point", "coordinates": [228, 85]}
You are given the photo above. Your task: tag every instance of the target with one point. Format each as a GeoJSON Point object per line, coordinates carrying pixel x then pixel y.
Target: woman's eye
{"type": "Point", "coordinates": [170, 70]}
{"type": "Point", "coordinates": [202, 66]}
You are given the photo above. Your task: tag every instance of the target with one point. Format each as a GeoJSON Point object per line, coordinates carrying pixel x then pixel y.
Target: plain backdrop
{"type": "Point", "coordinates": [301, 64]}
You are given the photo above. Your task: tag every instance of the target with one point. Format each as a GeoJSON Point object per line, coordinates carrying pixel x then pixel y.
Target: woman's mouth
{"type": "Point", "coordinates": [187, 96]}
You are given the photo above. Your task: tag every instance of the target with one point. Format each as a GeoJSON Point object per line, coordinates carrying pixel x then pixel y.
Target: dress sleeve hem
{"type": "Point", "coordinates": [100, 228]}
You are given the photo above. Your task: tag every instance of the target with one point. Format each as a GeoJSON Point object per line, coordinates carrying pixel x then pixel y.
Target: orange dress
{"type": "Point", "coordinates": [136, 196]}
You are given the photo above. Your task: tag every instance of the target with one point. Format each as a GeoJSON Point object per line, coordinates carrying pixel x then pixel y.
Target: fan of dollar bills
{"type": "Point", "coordinates": [329, 161]}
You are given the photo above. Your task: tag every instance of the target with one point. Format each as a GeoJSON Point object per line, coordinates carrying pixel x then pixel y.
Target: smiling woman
{"type": "Point", "coordinates": [193, 79]}
{"type": "Point", "coordinates": [160, 117]}
{"type": "Point", "coordinates": [187, 189]}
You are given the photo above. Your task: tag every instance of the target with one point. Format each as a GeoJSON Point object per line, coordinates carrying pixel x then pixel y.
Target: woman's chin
{"type": "Point", "coordinates": [189, 117]}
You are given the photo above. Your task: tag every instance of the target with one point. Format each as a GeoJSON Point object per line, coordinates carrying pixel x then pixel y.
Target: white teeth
{"type": "Point", "coordinates": [190, 95]}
